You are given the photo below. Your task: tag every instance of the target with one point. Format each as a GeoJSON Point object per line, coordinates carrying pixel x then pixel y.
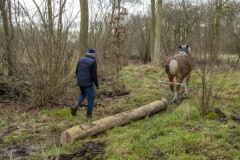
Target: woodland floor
{"type": "Point", "coordinates": [27, 132]}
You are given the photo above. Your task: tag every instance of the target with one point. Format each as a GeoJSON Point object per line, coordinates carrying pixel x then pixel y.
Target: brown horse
{"type": "Point", "coordinates": [179, 65]}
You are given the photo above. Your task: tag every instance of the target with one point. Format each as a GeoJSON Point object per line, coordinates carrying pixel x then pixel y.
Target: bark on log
{"type": "Point", "coordinates": [92, 128]}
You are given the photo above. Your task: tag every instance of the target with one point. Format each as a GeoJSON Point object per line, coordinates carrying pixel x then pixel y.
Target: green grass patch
{"type": "Point", "coordinates": [56, 113]}
{"type": "Point", "coordinates": [51, 153]}
{"type": "Point", "coordinates": [15, 138]}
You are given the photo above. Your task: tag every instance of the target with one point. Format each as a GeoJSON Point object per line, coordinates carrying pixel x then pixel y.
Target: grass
{"type": "Point", "coordinates": [56, 113]}
{"type": "Point", "coordinates": [16, 138]}
{"type": "Point", "coordinates": [173, 135]}
{"type": "Point", "coordinates": [180, 134]}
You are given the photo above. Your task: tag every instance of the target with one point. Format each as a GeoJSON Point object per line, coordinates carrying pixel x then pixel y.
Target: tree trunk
{"type": "Point", "coordinates": [118, 38]}
{"type": "Point", "coordinates": [50, 18]}
{"type": "Point", "coordinates": [10, 15]}
{"type": "Point", "coordinates": [152, 32]}
{"type": "Point", "coordinates": [145, 56]}
{"type": "Point", "coordinates": [93, 128]}
{"type": "Point", "coordinates": [157, 53]}
{"type": "Point", "coordinates": [60, 25]}
{"type": "Point", "coordinates": [111, 20]}
{"type": "Point", "coordinates": [7, 37]}
{"type": "Point", "coordinates": [218, 5]}
{"type": "Point", "coordinates": [238, 51]}
{"type": "Point", "coordinates": [84, 27]}
{"type": "Point", "coordinates": [238, 59]}
{"type": "Point", "coordinates": [60, 58]}
{"type": "Point", "coordinates": [50, 43]}
{"type": "Point", "coordinates": [118, 64]}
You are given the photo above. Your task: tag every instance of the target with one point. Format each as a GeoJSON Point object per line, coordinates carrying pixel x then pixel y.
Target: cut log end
{"type": "Point", "coordinates": [66, 137]}
{"type": "Point", "coordinates": [165, 101]}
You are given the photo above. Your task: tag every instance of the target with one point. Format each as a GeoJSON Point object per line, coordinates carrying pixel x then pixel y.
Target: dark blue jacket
{"type": "Point", "coordinates": [86, 71]}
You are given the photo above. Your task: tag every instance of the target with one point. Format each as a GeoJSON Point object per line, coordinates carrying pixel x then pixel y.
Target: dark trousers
{"type": "Point", "coordinates": [90, 94]}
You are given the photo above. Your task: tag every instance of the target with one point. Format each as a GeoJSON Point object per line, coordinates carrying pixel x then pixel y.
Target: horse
{"type": "Point", "coordinates": [179, 65]}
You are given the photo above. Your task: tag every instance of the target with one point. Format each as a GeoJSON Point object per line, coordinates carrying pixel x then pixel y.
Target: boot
{"type": "Point", "coordinates": [89, 114]}
{"type": "Point", "coordinates": [75, 108]}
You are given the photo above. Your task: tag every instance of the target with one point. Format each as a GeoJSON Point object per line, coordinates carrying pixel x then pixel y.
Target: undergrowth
{"type": "Point", "coordinates": [179, 134]}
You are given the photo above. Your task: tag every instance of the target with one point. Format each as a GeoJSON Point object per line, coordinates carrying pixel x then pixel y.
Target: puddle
{"type": "Point", "coordinates": [17, 152]}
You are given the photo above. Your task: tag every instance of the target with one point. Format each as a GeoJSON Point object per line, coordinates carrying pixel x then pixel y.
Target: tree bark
{"type": "Point", "coordinates": [238, 59]}
{"type": "Point", "coordinates": [157, 53]}
{"type": "Point", "coordinates": [50, 18]}
{"type": "Point", "coordinates": [84, 27]}
{"type": "Point", "coordinates": [60, 24]}
{"type": "Point", "coordinates": [219, 5]}
{"type": "Point", "coordinates": [51, 42]}
{"type": "Point", "coordinates": [7, 37]}
{"type": "Point", "coordinates": [93, 128]}
{"type": "Point", "coordinates": [217, 29]}
{"type": "Point", "coordinates": [111, 20]}
{"type": "Point", "coordinates": [152, 32]}
{"type": "Point", "coordinates": [10, 15]}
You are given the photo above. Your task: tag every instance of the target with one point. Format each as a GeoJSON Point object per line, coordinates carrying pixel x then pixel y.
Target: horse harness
{"type": "Point", "coordinates": [177, 56]}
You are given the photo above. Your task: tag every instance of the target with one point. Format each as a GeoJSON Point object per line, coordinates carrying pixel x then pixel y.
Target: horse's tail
{"type": "Point", "coordinates": [173, 66]}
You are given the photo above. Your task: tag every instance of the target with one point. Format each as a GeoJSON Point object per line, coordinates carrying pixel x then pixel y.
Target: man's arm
{"type": "Point", "coordinates": [76, 69]}
{"type": "Point", "coordinates": [94, 73]}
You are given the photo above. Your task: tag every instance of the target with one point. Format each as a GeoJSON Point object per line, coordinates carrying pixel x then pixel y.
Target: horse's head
{"type": "Point", "coordinates": [184, 48]}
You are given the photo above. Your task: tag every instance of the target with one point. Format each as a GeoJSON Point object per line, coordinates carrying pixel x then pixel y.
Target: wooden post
{"type": "Point", "coordinates": [92, 128]}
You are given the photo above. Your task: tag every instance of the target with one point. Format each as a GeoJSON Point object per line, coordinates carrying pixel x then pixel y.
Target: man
{"type": "Point", "coordinates": [86, 73]}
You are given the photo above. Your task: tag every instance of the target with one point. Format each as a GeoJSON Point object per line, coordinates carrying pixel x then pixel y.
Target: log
{"type": "Point", "coordinates": [92, 128]}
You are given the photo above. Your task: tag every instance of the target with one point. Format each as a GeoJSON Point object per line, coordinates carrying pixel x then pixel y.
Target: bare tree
{"type": "Point", "coordinates": [84, 27]}
{"type": "Point", "coordinates": [8, 36]}
{"type": "Point", "coordinates": [152, 32]}
{"type": "Point", "coordinates": [157, 53]}
{"type": "Point", "coordinates": [117, 56]}
{"type": "Point", "coordinates": [219, 4]}
{"type": "Point", "coordinates": [48, 50]}
{"type": "Point", "coordinates": [50, 42]}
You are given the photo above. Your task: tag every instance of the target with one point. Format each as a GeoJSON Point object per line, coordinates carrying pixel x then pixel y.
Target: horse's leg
{"type": "Point", "coordinates": [171, 85]}
{"type": "Point", "coordinates": [174, 92]}
{"type": "Point", "coordinates": [186, 88]}
{"type": "Point", "coordinates": [186, 85]}
{"type": "Point", "coordinates": [179, 80]}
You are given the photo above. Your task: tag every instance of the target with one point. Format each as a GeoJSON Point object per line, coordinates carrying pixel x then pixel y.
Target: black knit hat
{"type": "Point", "coordinates": [90, 50]}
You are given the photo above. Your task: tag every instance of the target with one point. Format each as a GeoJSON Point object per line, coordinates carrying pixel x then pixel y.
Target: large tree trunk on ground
{"type": "Point", "coordinates": [93, 128]}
